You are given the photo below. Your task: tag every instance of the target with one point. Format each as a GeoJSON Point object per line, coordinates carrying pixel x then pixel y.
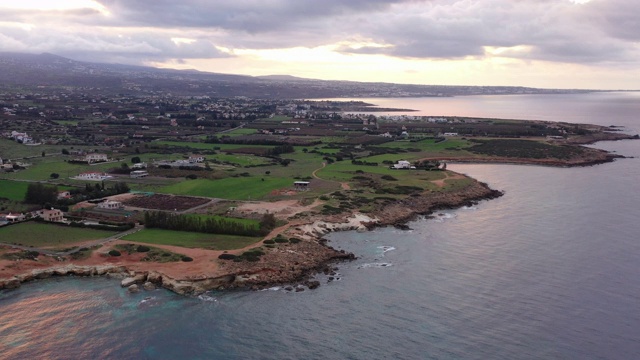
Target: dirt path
{"type": "Point", "coordinates": [448, 176]}
{"type": "Point", "coordinates": [314, 173]}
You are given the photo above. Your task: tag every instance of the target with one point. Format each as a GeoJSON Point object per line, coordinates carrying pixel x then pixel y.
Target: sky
{"type": "Point", "coordinates": [589, 44]}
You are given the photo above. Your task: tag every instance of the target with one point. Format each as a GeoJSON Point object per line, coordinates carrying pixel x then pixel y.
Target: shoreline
{"type": "Point", "coordinates": [292, 265]}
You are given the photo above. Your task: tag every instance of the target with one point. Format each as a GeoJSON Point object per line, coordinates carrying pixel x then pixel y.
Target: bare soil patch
{"type": "Point", "coordinates": [165, 202]}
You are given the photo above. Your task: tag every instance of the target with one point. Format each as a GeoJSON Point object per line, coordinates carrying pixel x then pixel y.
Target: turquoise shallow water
{"type": "Point", "coordinates": [550, 270]}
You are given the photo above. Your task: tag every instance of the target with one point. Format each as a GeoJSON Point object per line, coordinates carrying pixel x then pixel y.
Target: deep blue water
{"type": "Point", "coordinates": [551, 270]}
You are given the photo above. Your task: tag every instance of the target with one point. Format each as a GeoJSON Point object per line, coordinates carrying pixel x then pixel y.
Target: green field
{"type": "Point", "coordinates": [48, 235]}
{"type": "Point", "coordinates": [207, 146]}
{"type": "Point", "coordinates": [236, 188]}
{"type": "Point", "coordinates": [13, 190]}
{"type": "Point", "coordinates": [241, 160]}
{"type": "Point", "coordinates": [428, 145]}
{"type": "Point", "coordinates": [191, 239]}
{"type": "Point", "coordinates": [10, 149]}
{"type": "Point", "coordinates": [244, 222]}
{"type": "Point", "coordinates": [16, 190]}
{"type": "Point", "coordinates": [238, 132]}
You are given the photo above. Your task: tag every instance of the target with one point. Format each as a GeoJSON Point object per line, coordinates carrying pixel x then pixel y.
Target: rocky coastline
{"type": "Point", "coordinates": [292, 266]}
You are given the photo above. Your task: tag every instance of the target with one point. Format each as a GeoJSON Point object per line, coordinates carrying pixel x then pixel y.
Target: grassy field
{"type": "Point", "coordinates": [245, 222]}
{"type": "Point", "coordinates": [238, 132]}
{"type": "Point", "coordinates": [191, 239]}
{"type": "Point", "coordinates": [48, 235]}
{"type": "Point", "coordinates": [13, 190]}
{"type": "Point", "coordinates": [428, 144]}
{"type": "Point", "coordinates": [42, 168]}
{"type": "Point", "coordinates": [12, 150]}
{"type": "Point", "coordinates": [236, 188]}
{"type": "Point", "coordinates": [206, 146]}
{"type": "Point", "coordinates": [16, 190]}
{"type": "Point", "coordinates": [241, 160]}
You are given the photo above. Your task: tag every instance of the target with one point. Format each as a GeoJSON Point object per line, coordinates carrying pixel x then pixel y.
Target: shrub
{"type": "Point", "coordinates": [114, 253]}
{"type": "Point", "coordinates": [389, 178]}
{"type": "Point", "coordinates": [281, 240]}
{"type": "Point", "coordinates": [186, 259]}
{"type": "Point", "coordinates": [142, 248]}
{"type": "Point", "coordinates": [294, 240]}
{"type": "Point", "coordinates": [269, 242]}
{"type": "Point", "coordinates": [227, 257]}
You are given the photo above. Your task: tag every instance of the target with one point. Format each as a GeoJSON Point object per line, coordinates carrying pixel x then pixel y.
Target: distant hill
{"type": "Point", "coordinates": [49, 71]}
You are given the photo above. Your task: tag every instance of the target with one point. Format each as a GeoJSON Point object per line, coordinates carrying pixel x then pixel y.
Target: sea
{"type": "Point", "coordinates": [551, 270]}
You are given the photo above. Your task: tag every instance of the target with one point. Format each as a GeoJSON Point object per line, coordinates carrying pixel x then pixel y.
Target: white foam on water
{"type": "Point", "coordinates": [207, 298]}
{"type": "Point", "coordinates": [386, 249]}
{"type": "Point", "coordinates": [374, 265]}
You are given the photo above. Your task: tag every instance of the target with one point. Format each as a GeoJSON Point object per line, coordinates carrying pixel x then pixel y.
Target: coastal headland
{"type": "Point", "coordinates": [247, 209]}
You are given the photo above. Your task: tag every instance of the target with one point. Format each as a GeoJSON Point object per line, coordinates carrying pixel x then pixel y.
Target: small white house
{"type": "Point", "coordinates": [14, 217]}
{"type": "Point", "coordinates": [447, 134]}
{"type": "Point", "coordinates": [403, 164]}
{"type": "Point", "coordinates": [64, 194]}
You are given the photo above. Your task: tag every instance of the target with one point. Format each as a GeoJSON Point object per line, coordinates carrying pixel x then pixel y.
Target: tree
{"type": "Point", "coordinates": [65, 152]}
{"type": "Point", "coordinates": [43, 154]}
{"type": "Point", "coordinates": [54, 175]}
{"type": "Point", "coordinates": [136, 160]}
{"type": "Point", "coordinates": [40, 194]}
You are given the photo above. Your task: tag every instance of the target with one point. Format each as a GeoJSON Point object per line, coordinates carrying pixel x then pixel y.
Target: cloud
{"type": "Point", "coordinates": [599, 31]}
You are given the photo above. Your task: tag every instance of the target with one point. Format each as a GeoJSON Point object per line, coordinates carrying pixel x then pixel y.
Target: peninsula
{"type": "Point", "coordinates": [200, 194]}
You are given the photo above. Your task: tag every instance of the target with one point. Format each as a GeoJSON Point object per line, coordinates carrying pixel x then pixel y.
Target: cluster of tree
{"type": "Point", "coordinates": [281, 149]}
{"type": "Point", "coordinates": [366, 163]}
{"type": "Point", "coordinates": [41, 194]}
{"type": "Point", "coordinates": [211, 225]}
{"type": "Point", "coordinates": [430, 165]}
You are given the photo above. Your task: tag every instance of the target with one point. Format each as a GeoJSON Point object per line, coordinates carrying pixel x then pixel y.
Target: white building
{"type": "Point", "coordinates": [196, 159]}
{"type": "Point", "coordinates": [51, 215]}
{"type": "Point", "coordinates": [93, 158]}
{"type": "Point", "coordinates": [93, 176]}
{"type": "Point", "coordinates": [138, 173]}
{"type": "Point", "coordinates": [403, 164]}
{"type": "Point", "coordinates": [111, 205]}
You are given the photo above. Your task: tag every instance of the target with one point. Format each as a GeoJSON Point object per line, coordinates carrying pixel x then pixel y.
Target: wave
{"type": "Point", "coordinates": [374, 265]}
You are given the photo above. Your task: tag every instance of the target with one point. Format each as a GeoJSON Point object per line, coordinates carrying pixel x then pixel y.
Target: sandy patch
{"type": "Point", "coordinates": [281, 209]}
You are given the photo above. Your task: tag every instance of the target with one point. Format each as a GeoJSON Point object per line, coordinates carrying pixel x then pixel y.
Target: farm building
{"type": "Point", "coordinates": [301, 185]}
{"type": "Point", "coordinates": [138, 173]}
{"type": "Point", "coordinates": [110, 204]}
